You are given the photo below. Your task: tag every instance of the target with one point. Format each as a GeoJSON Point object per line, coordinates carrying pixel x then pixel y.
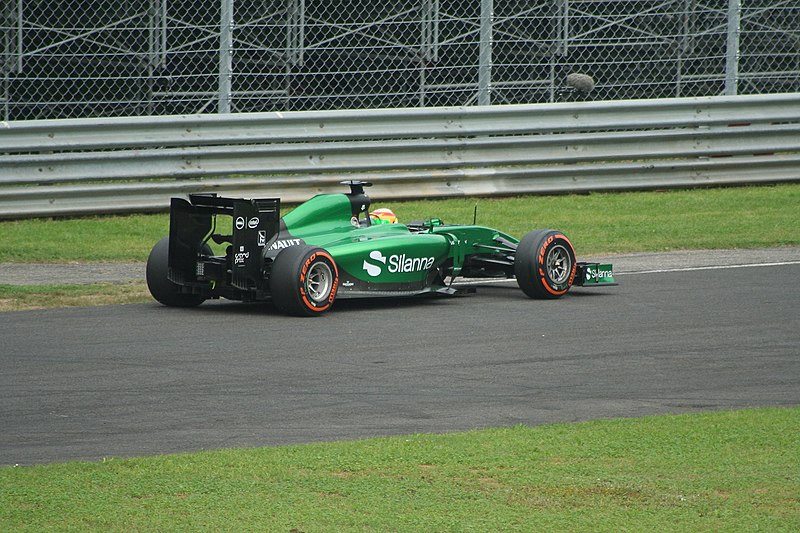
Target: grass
{"type": "Point", "coordinates": [727, 471]}
{"type": "Point", "coordinates": [111, 238]}
{"type": "Point", "coordinates": [605, 223]}
{"type": "Point", "coordinates": [24, 297]}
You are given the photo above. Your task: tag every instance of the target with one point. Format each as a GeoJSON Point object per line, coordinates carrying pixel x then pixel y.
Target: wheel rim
{"type": "Point", "coordinates": [559, 264]}
{"type": "Point", "coordinates": [319, 281]}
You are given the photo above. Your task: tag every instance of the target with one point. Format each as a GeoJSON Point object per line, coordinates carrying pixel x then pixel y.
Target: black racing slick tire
{"type": "Point", "coordinates": [545, 264]}
{"type": "Point", "coordinates": [161, 288]}
{"type": "Point", "coordinates": [303, 281]}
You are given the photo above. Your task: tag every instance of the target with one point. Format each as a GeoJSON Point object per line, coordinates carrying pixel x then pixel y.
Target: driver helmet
{"type": "Point", "coordinates": [383, 215]}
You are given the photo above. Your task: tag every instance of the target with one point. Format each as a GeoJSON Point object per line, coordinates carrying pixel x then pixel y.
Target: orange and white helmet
{"type": "Point", "coordinates": [383, 215]}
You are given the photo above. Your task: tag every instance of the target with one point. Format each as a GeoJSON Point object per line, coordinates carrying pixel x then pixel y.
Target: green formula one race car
{"type": "Point", "coordinates": [332, 247]}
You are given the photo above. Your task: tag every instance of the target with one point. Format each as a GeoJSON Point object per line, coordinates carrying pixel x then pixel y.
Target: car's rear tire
{"type": "Point", "coordinates": [545, 264]}
{"type": "Point", "coordinates": [304, 281]}
{"type": "Point", "coordinates": [161, 288]}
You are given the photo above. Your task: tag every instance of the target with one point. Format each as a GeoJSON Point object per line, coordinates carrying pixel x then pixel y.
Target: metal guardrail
{"type": "Point", "coordinates": [84, 166]}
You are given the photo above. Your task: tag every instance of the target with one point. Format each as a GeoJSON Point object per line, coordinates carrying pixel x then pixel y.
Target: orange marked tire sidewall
{"type": "Point", "coordinates": [556, 289]}
{"type": "Point", "coordinates": [309, 303]}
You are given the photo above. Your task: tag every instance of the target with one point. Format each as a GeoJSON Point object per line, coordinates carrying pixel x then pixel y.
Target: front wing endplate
{"type": "Point", "coordinates": [594, 274]}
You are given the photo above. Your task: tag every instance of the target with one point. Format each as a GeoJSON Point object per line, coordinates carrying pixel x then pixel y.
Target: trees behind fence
{"type": "Point", "coordinates": [156, 57]}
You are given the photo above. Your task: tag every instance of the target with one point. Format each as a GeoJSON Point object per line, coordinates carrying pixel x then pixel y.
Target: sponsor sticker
{"type": "Point", "coordinates": [241, 257]}
{"type": "Point", "coordinates": [396, 263]}
{"type": "Point", "coordinates": [251, 223]}
{"type": "Point", "coordinates": [597, 273]}
{"type": "Point", "coordinates": [285, 243]}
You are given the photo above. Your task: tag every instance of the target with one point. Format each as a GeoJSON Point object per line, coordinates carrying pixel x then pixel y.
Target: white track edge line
{"type": "Point", "coordinates": [712, 267]}
{"type": "Point", "coordinates": [480, 281]}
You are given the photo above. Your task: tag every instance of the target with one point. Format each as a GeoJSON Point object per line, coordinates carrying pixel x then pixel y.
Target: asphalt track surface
{"type": "Point", "coordinates": [133, 380]}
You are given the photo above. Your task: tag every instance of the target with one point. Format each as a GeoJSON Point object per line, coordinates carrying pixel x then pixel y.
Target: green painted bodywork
{"type": "Point", "coordinates": [394, 255]}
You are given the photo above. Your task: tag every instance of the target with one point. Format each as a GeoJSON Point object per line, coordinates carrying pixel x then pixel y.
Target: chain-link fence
{"type": "Point", "coordinates": [154, 57]}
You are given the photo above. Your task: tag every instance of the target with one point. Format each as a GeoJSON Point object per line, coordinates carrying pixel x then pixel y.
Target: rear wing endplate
{"type": "Point", "coordinates": [254, 223]}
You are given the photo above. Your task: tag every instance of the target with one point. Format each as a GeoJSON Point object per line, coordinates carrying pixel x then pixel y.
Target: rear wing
{"type": "Point", "coordinates": [192, 224]}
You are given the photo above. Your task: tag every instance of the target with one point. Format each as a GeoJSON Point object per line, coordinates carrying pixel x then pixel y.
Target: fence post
{"type": "Point", "coordinates": [429, 44]}
{"type": "Point", "coordinates": [225, 60]}
{"type": "Point", "coordinates": [732, 53]}
{"type": "Point", "coordinates": [485, 53]}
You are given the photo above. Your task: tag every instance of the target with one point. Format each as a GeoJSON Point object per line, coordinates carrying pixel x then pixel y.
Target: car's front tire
{"type": "Point", "coordinates": [545, 264]}
{"type": "Point", "coordinates": [161, 288]}
{"type": "Point", "coordinates": [304, 281]}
